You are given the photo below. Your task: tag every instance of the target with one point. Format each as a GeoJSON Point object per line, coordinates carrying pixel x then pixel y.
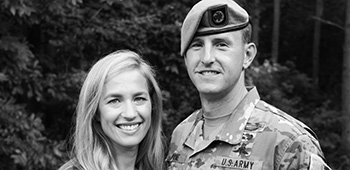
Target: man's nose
{"type": "Point", "coordinates": [208, 56]}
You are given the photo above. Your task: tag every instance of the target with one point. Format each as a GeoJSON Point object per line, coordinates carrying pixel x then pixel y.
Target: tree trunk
{"type": "Point", "coordinates": [346, 81]}
{"type": "Point", "coordinates": [275, 31]}
{"type": "Point", "coordinates": [256, 27]}
{"type": "Point", "coordinates": [256, 22]}
{"type": "Point", "coordinates": [316, 45]}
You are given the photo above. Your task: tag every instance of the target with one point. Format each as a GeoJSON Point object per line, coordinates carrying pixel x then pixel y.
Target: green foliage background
{"type": "Point", "coordinates": [47, 47]}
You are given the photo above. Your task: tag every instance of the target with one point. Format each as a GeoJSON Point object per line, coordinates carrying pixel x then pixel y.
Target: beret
{"type": "Point", "coordinates": [211, 17]}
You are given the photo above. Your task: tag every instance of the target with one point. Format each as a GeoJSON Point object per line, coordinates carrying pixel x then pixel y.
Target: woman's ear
{"type": "Point", "coordinates": [250, 53]}
{"type": "Point", "coordinates": [97, 116]}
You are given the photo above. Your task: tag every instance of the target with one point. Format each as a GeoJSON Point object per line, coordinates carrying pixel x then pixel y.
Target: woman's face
{"type": "Point", "coordinates": [125, 109]}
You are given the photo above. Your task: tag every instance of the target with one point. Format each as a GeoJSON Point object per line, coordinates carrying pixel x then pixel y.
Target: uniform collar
{"type": "Point", "coordinates": [231, 131]}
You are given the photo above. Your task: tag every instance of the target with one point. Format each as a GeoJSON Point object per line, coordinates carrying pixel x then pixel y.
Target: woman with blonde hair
{"type": "Point", "coordinates": [118, 117]}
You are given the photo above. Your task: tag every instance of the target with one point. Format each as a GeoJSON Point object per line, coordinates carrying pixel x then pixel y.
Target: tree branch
{"type": "Point", "coordinates": [328, 22]}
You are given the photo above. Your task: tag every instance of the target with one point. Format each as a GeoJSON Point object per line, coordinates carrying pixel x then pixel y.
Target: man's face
{"type": "Point", "coordinates": [214, 62]}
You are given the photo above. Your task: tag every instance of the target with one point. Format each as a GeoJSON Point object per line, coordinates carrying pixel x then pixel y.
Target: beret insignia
{"type": "Point", "coordinates": [218, 16]}
{"type": "Point", "coordinates": [212, 17]}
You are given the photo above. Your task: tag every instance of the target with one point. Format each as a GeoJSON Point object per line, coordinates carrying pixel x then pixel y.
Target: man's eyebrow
{"type": "Point", "coordinates": [221, 39]}
{"type": "Point", "coordinates": [196, 39]}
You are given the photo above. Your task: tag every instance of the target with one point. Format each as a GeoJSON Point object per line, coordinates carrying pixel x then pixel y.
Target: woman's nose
{"type": "Point", "coordinates": [130, 111]}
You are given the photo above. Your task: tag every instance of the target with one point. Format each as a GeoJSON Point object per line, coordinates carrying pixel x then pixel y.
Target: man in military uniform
{"type": "Point", "coordinates": [234, 129]}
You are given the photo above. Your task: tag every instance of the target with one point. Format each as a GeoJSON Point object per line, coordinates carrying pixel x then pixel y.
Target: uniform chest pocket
{"type": "Point", "coordinates": [176, 161]}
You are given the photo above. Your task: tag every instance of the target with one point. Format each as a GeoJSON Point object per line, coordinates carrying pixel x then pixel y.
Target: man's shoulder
{"type": "Point", "coordinates": [291, 132]}
{"type": "Point", "coordinates": [282, 121]}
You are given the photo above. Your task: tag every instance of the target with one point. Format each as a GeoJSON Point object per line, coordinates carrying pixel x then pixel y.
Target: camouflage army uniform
{"type": "Point", "coordinates": [256, 136]}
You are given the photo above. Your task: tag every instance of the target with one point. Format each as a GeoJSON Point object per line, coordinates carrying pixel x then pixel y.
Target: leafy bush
{"type": "Point", "coordinates": [292, 92]}
{"type": "Point", "coordinates": [22, 143]}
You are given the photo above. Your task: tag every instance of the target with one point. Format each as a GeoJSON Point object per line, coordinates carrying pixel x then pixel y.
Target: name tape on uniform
{"type": "Point", "coordinates": [235, 163]}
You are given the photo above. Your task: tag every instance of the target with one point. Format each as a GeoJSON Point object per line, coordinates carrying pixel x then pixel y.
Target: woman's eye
{"type": "Point", "coordinates": [140, 100]}
{"type": "Point", "coordinates": [114, 101]}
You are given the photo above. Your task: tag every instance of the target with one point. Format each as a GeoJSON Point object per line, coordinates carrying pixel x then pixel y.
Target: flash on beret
{"type": "Point", "coordinates": [211, 17]}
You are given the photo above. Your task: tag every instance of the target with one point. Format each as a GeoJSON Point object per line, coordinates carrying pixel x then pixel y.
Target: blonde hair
{"type": "Point", "coordinates": [91, 147]}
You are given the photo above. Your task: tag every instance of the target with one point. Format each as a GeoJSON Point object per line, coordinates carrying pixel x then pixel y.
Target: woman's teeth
{"type": "Point", "coordinates": [129, 127]}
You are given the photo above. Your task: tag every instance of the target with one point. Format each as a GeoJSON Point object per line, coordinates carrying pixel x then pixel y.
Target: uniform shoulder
{"type": "Point", "coordinates": [181, 131]}
{"type": "Point", "coordinates": [186, 124]}
{"type": "Point", "coordinates": [284, 121]}
{"type": "Point", "coordinates": [293, 133]}
{"type": "Point", "coordinates": [298, 135]}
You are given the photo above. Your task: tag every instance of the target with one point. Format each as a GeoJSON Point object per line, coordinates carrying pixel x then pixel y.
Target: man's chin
{"type": "Point", "coordinates": [208, 91]}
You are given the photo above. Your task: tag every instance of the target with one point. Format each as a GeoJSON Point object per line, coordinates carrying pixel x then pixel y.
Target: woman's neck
{"type": "Point", "coordinates": [126, 159]}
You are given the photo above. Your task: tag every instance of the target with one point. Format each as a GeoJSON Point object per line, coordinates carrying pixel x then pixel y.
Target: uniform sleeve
{"type": "Point", "coordinates": [303, 154]}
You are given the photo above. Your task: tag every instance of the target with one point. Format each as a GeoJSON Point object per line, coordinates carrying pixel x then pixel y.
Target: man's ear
{"type": "Point", "coordinates": [185, 59]}
{"type": "Point", "coordinates": [250, 53]}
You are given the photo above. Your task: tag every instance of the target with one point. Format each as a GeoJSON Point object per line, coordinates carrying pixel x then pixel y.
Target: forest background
{"type": "Point", "coordinates": [47, 47]}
